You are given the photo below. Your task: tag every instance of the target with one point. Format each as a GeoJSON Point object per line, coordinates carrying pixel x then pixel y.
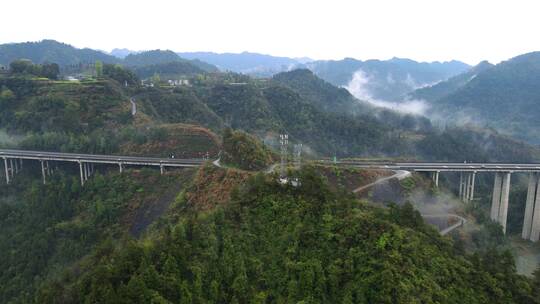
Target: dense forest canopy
{"type": "Point", "coordinates": [95, 114]}
{"type": "Point", "coordinates": [230, 232]}
{"type": "Point", "coordinates": [282, 244]}
{"type": "Point", "coordinates": [68, 58]}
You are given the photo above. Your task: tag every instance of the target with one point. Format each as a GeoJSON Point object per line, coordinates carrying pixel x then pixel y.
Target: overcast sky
{"type": "Point", "coordinates": [425, 30]}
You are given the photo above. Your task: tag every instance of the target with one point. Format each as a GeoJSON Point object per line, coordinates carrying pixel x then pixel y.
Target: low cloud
{"type": "Point", "coordinates": [359, 88]}
{"type": "Point", "coordinates": [7, 140]}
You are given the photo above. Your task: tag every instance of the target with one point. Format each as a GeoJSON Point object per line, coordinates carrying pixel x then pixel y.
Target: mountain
{"type": "Point", "coordinates": [246, 63]}
{"type": "Point", "coordinates": [51, 51]}
{"type": "Point", "coordinates": [224, 235]}
{"type": "Point", "coordinates": [505, 97]}
{"type": "Point", "coordinates": [384, 80]}
{"type": "Point", "coordinates": [168, 70]}
{"type": "Point", "coordinates": [158, 59]}
{"type": "Point", "coordinates": [265, 243]}
{"type": "Point", "coordinates": [320, 93]}
{"type": "Point", "coordinates": [95, 116]}
{"type": "Point", "coordinates": [67, 55]}
{"type": "Point", "coordinates": [444, 88]}
{"type": "Point", "coordinates": [122, 53]}
{"type": "Point", "coordinates": [151, 57]}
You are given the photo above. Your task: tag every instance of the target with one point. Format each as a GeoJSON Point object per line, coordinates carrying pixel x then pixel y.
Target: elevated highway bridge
{"type": "Point", "coordinates": [13, 162]}
{"type": "Point", "coordinates": [468, 172]}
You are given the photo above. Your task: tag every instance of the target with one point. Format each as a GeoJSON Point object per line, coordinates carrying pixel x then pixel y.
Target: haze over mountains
{"type": "Point", "coordinates": [504, 96]}
{"type": "Point", "coordinates": [232, 231]}
{"type": "Point", "coordinates": [371, 79]}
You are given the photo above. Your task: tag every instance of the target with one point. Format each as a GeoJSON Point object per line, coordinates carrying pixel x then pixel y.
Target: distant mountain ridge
{"type": "Point", "coordinates": [64, 55]}
{"type": "Point", "coordinates": [52, 51]}
{"type": "Point", "coordinates": [246, 62]}
{"type": "Point", "coordinates": [444, 88]}
{"type": "Point", "coordinates": [505, 97]}
{"type": "Point", "coordinates": [386, 80]}
{"type": "Point", "coordinates": [324, 95]}
{"type": "Point", "coordinates": [122, 53]}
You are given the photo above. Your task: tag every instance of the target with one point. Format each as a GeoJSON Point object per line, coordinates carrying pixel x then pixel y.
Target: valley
{"type": "Point", "coordinates": [166, 177]}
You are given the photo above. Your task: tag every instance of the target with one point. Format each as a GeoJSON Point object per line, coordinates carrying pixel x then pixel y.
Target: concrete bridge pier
{"type": "Point", "coordinates": [461, 184]}
{"type": "Point", "coordinates": [11, 166]}
{"type": "Point", "coordinates": [466, 186]}
{"type": "Point", "coordinates": [82, 170]}
{"type": "Point", "coordinates": [531, 220]}
{"type": "Point", "coordinates": [470, 186]}
{"type": "Point", "coordinates": [88, 170]}
{"type": "Point", "coordinates": [435, 177]}
{"type": "Point", "coordinates": [121, 166]}
{"type": "Point", "coordinates": [15, 165]}
{"type": "Point", "coordinates": [499, 202]}
{"type": "Point", "coordinates": [45, 170]}
{"type": "Point", "coordinates": [8, 170]}
{"type": "Point", "coordinates": [471, 197]}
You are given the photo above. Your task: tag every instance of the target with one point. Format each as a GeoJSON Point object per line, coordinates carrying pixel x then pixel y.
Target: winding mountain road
{"type": "Point", "coordinates": [402, 174]}
{"type": "Point", "coordinates": [399, 174]}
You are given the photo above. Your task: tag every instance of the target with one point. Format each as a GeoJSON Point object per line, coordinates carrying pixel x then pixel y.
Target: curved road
{"type": "Point", "coordinates": [399, 174]}
{"type": "Point", "coordinates": [402, 174]}
{"type": "Point", "coordinates": [460, 221]}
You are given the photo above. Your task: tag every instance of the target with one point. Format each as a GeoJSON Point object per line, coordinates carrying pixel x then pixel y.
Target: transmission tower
{"type": "Point", "coordinates": [297, 156]}
{"type": "Point", "coordinates": [284, 141]}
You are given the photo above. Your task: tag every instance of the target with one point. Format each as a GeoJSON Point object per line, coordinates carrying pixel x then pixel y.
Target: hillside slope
{"type": "Point", "coordinates": [95, 116]}
{"type": "Point", "coordinates": [282, 244]}
{"type": "Point", "coordinates": [386, 80]}
{"type": "Point", "coordinates": [69, 57]}
{"type": "Point", "coordinates": [51, 51]}
{"type": "Point", "coordinates": [505, 97]}
{"type": "Point", "coordinates": [320, 93]}
{"type": "Point", "coordinates": [444, 88]}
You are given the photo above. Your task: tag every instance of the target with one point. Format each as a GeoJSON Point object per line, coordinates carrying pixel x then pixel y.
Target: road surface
{"type": "Point", "coordinates": [102, 159]}
{"type": "Point", "coordinates": [438, 166]}
{"type": "Point", "coordinates": [399, 174]}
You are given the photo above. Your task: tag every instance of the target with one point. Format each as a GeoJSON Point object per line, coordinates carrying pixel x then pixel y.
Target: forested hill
{"type": "Point", "coordinates": [387, 80]}
{"type": "Point", "coordinates": [95, 116]}
{"type": "Point", "coordinates": [273, 243]}
{"type": "Point", "coordinates": [444, 88]}
{"type": "Point", "coordinates": [320, 93]}
{"type": "Point", "coordinates": [51, 51]}
{"type": "Point", "coordinates": [227, 234]}
{"type": "Point", "coordinates": [163, 57]}
{"type": "Point", "coordinates": [505, 97]}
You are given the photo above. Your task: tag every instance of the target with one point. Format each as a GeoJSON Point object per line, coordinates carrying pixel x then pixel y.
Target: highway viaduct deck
{"type": "Point", "coordinates": [13, 162]}
{"type": "Point", "coordinates": [468, 172]}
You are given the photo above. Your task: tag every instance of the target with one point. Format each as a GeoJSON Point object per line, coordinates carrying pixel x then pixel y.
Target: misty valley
{"type": "Point", "coordinates": [181, 176]}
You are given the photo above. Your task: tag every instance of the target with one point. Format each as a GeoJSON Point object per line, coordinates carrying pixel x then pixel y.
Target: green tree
{"type": "Point", "coordinates": [21, 66]}
{"type": "Point", "coordinates": [99, 69]}
{"type": "Point", "coordinates": [50, 70]}
{"type": "Point", "coordinates": [156, 79]}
